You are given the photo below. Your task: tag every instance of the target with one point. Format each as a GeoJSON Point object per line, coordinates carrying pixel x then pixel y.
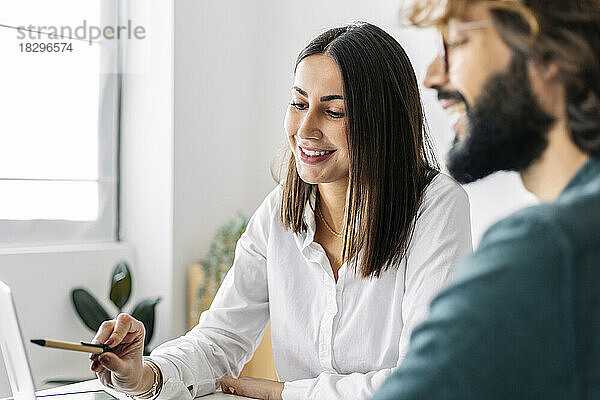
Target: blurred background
{"type": "Point", "coordinates": [138, 150]}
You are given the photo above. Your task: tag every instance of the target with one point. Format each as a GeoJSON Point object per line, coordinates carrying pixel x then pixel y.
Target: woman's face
{"type": "Point", "coordinates": [316, 121]}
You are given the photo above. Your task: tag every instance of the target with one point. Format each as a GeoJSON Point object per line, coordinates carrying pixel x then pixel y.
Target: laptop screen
{"type": "Point", "coordinates": [13, 350]}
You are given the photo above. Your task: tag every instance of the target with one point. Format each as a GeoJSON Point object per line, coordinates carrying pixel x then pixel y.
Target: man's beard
{"type": "Point", "coordinates": [507, 128]}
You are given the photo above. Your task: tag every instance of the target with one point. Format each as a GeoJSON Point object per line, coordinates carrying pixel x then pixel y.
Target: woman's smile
{"type": "Point", "coordinates": [314, 156]}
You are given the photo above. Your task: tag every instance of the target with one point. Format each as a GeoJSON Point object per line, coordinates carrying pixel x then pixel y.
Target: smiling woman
{"type": "Point", "coordinates": [342, 257]}
{"type": "Point", "coordinates": [389, 171]}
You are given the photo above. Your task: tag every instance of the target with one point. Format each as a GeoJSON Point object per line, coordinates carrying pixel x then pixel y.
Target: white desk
{"type": "Point", "coordinates": [96, 385]}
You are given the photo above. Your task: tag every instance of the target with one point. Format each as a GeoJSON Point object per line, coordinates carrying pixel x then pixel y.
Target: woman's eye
{"type": "Point", "coordinates": [334, 114]}
{"type": "Point", "coordinates": [299, 106]}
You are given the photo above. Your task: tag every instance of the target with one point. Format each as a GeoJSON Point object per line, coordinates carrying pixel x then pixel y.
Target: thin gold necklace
{"type": "Point", "coordinates": [334, 233]}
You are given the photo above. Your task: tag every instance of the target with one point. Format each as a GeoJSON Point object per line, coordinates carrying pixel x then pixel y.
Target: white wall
{"type": "Point", "coordinates": [147, 153]}
{"type": "Point", "coordinates": [216, 166]}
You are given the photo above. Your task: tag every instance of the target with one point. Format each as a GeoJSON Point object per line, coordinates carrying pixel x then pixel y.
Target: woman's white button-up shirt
{"type": "Point", "coordinates": [331, 340]}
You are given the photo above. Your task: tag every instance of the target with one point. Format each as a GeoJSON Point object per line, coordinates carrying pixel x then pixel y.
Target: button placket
{"type": "Point", "coordinates": [337, 293]}
{"type": "Point", "coordinates": [318, 255]}
{"type": "Point", "coordinates": [326, 337]}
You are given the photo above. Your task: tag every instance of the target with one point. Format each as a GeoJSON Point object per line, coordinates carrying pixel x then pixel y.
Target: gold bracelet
{"type": "Point", "coordinates": [154, 391]}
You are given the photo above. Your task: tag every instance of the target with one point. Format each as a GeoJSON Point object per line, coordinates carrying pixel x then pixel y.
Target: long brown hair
{"type": "Point", "coordinates": [564, 32]}
{"type": "Point", "coordinates": [391, 159]}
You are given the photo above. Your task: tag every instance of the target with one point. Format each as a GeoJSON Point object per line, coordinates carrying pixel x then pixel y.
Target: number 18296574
{"type": "Point", "coordinates": [46, 47]}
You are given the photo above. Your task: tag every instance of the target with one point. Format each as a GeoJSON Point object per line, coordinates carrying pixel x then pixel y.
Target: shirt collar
{"type": "Point", "coordinates": [588, 172]}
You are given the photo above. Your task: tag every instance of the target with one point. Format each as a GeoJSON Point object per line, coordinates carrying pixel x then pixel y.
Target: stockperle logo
{"type": "Point", "coordinates": [83, 32]}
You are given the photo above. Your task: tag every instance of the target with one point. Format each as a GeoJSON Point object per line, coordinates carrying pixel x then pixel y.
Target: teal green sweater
{"type": "Point", "coordinates": [522, 318]}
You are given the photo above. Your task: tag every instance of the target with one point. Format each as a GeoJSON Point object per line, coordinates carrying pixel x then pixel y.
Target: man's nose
{"type": "Point", "coordinates": [436, 74]}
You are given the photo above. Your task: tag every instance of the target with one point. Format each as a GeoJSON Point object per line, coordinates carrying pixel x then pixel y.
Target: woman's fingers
{"type": "Point", "coordinates": [125, 336]}
{"type": "Point", "coordinates": [113, 332]}
{"type": "Point", "coordinates": [228, 385]}
{"type": "Point", "coordinates": [112, 363]}
{"type": "Point", "coordinates": [122, 366]}
{"type": "Point", "coordinates": [256, 388]}
{"type": "Point", "coordinates": [105, 378]}
{"type": "Point", "coordinates": [104, 332]}
{"type": "Point", "coordinates": [125, 324]}
{"type": "Point", "coordinates": [95, 366]}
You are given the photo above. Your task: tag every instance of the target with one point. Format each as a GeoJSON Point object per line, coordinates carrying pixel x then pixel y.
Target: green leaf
{"type": "Point", "coordinates": [89, 310]}
{"type": "Point", "coordinates": [144, 312]}
{"type": "Point", "coordinates": [120, 286]}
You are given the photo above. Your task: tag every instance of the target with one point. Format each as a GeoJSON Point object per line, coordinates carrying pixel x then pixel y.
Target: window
{"type": "Point", "coordinates": [59, 122]}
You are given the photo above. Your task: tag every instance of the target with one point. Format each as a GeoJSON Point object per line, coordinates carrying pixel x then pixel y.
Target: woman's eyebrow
{"type": "Point", "coordinates": [302, 92]}
{"type": "Point", "coordinates": [332, 97]}
{"type": "Point", "coordinates": [324, 98]}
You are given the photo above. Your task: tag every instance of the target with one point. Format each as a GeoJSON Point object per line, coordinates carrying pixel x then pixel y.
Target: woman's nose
{"type": "Point", "coordinates": [309, 129]}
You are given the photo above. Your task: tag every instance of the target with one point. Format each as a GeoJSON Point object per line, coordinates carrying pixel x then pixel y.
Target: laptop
{"type": "Point", "coordinates": [15, 358]}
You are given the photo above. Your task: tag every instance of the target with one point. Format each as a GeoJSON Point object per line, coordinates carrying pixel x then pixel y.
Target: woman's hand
{"type": "Point", "coordinates": [122, 369]}
{"type": "Point", "coordinates": [252, 387]}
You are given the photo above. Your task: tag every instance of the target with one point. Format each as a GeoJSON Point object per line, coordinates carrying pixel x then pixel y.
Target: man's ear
{"type": "Point", "coordinates": [546, 84]}
{"type": "Point", "coordinates": [548, 71]}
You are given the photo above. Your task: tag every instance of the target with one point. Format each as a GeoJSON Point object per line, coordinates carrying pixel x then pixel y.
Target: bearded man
{"type": "Point", "coordinates": [522, 318]}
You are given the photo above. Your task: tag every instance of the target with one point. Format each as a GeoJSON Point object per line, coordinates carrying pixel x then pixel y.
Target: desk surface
{"type": "Point", "coordinates": [96, 385]}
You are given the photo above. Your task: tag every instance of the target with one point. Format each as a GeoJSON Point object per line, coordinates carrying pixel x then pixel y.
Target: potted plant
{"type": "Point", "coordinates": [206, 276]}
{"type": "Point", "coordinates": [93, 314]}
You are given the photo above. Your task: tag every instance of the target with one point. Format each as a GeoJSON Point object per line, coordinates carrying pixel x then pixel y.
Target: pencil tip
{"type": "Point", "coordinates": [40, 342]}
